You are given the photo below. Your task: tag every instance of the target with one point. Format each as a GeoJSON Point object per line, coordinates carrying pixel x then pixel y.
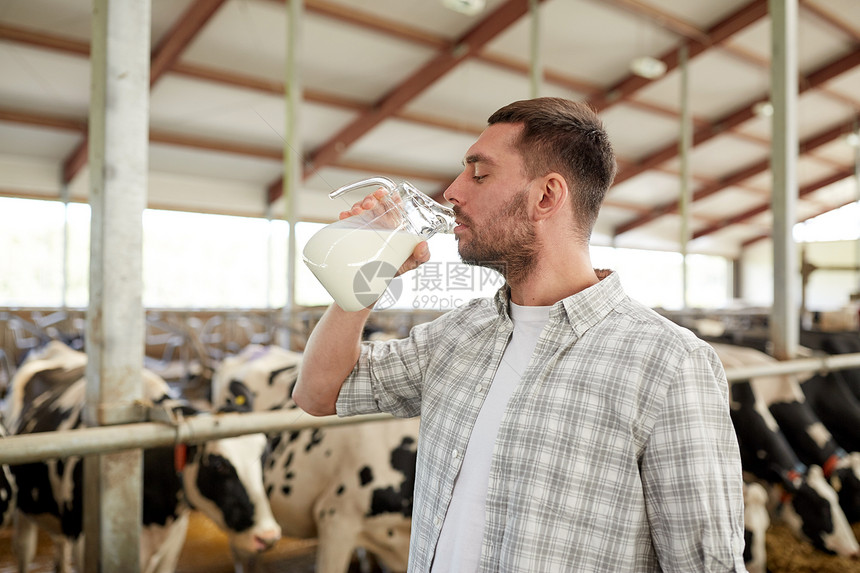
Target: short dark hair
{"type": "Point", "coordinates": [566, 137]}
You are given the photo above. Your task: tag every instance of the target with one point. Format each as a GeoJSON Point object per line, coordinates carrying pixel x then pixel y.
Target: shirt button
{"type": "Point", "coordinates": [437, 521]}
{"type": "Point", "coordinates": [455, 454]}
{"type": "Point", "coordinates": [479, 388]}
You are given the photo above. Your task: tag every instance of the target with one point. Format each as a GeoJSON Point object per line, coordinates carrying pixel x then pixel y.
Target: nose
{"type": "Point", "coordinates": [452, 193]}
{"type": "Point", "coordinates": [266, 539]}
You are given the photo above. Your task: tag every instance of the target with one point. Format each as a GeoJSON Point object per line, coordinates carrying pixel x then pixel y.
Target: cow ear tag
{"type": "Point", "coordinates": [180, 456]}
{"type": "Point", "coordinates": [240, 400]}
{"type": "Point", "coordinates": [830, 465]}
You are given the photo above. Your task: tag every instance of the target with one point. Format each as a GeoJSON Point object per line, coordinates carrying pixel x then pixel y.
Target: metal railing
{"type": "Point", "coordinates": [817, 364]}
{"type": "Point", "coordinates": [25, 448]}
{"type": "Point", "coordinates": [105, 439]}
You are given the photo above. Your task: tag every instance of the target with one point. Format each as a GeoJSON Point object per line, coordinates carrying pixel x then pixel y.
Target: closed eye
{"type": "Point", "coordinates": [478, 178]}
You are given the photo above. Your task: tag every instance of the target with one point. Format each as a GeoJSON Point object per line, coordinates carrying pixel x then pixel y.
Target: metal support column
{"type": "Point", "coordinates": [64, 196]}
{"type": "Point", "coordinates": [686, 191]}
{"type": "Point", "coordinates": [784, 323]}
{"type": "Point", "coordinates": [857, 197]}
{"type": "Point", "coordinates": [536, 68]}
{"type": "Point", "coordinates": [293, 152]}
{"type": "Point", "coordinates": [118, 147]}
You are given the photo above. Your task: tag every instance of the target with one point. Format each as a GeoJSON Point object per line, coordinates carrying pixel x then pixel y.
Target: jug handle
{"type": "Point", "coordinates": [378, 181]}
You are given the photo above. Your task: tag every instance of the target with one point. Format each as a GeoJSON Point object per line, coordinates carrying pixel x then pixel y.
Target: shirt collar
{"type": "Point", "coordinates": [581, 310]}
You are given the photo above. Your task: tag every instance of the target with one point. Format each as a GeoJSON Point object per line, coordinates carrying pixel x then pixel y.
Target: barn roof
{"type": "Point", "coordinates": [402, 87]}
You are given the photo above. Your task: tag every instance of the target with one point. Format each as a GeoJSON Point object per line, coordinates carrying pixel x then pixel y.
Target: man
{"type": "Point", "coordinates": [564, 427]}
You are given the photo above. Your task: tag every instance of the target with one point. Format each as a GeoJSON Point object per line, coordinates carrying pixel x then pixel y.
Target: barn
{"type": "Point", "coordinates": [162, 267]}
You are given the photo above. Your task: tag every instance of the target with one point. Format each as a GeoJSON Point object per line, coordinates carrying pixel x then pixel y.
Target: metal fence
{"type": "Point", "coordinates": [105, 439]}
{"type": "Point", "coordinates": [27, 448]}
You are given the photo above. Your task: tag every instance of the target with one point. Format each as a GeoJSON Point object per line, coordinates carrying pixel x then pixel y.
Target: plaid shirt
{"type": "Point", "coordinates": [616, 451]}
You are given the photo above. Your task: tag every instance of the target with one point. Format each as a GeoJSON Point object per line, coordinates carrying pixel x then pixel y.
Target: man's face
{"type": "Point", "coordinates": [490, 199]}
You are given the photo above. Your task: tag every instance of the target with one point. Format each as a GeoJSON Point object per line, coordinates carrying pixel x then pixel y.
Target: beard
{"type": "Point", "coordinates": [506, 244]}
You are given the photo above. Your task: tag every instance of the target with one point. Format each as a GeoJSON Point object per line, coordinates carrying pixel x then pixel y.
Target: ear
{"type": "Point", "coordinates": [553, 195]}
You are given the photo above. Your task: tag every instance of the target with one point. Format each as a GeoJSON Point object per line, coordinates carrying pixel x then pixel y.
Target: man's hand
{"type": "Point", "coordinates": [419, 256]}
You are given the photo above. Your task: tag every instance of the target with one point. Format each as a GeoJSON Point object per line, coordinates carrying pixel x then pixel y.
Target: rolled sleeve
{"type": "Point", "coordinates": [356, 395]}
{"type": "Point", "coordinates": [388, 376]}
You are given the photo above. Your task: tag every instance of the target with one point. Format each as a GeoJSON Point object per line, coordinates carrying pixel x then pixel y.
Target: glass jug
{"type": "Point", "coordinates": [356, 258]}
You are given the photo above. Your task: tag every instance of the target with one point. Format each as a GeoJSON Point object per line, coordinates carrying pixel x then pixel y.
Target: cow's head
{"type": "Point", "coordinates": [224, 480]}
{"type": "Point", "coordinates": [812, 512]}
{"type": "Point", "coordinates": [258, 378]}
{"type": "Point", "coordinates": [756, 522]}
{"type": "Point", "coordinates": [845, 480]}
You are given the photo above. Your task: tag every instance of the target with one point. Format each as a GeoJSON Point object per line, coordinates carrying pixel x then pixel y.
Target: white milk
{"type": "Point", "coordinates": [336, 255]}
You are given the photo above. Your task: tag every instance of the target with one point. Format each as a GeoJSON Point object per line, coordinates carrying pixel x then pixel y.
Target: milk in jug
{"type": "Point", "coordinates": [356, 258]}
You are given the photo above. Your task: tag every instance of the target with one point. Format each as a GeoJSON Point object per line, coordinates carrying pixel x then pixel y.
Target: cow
{"type": "Point", "coordinates": [257, 379]}
{"type": "Point", "coordinates": [804, 431]}
{"type": "Point", "coordinates": [756, 523]}
{"type": "Point", "coordinates": [837, 343]}
{"type": "Point", "coordinates": [808, 504]}
{"type": "Point", "coordinates": [836, 406]}
{"type": "Point", "coordinates": [835, 396]}
{"type": "Point", "coordinates": [349, 486]}
{"type": "Point", "coordinates": [221, 478]}
{"type": "Point", "coordinates": [8, 491]}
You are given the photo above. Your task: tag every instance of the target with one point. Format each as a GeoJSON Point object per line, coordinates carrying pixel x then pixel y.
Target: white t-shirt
{"type": "Point", "coordinates": [459, 546]}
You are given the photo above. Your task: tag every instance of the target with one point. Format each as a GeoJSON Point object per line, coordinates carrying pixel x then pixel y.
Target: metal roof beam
{"type": "Point", "coordinates": [465, 47]}
{"type": "Point", "coordinates": [273, 87]}
{"type": "Point", "coordinates": [180, 37]}
{"type": "Point", "coordinates": [813, 80]}
{"type": "Point", "coordinates": [229, 147]}
{"type": "Point", "coordinates": [710, 130]}
{"type": "Point", "coordinates": [163, 57]}
{"type": "Point", "coordinates": [660, 18]}
{"type": "Point", "coordinates": [829, 180]}
{"type": "Point", "coordinates": [720, 32]}
{"type": "Point", "coordinates": [763, 208]}
{"type": "Point", "coordinates": [42, 40]}
{"type": "Point", "coordinates": [737, 177]}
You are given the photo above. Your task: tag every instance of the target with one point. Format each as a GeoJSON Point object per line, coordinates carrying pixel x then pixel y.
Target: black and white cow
{"type": "Point", "coordinates": [257, 379]}
{"type": "Point", "coordinates": [835, 396]}
{"type": "Point", "coordinates": [350, 486]}
{"type": "Point", "coordinates": [836, 406]}
{"type": "Point", "coordinates": [837, 343]}
{"type": "Point", "coordinates": [805, 432]}
{"type": "Point", "coordinates": [756, 523]}
{"type": "Point", "coordinates": [222, 478]}
{"type": "Point", "coordinates": [811, 440]}
{"type": "Point", "coordinates": [809, 504]}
